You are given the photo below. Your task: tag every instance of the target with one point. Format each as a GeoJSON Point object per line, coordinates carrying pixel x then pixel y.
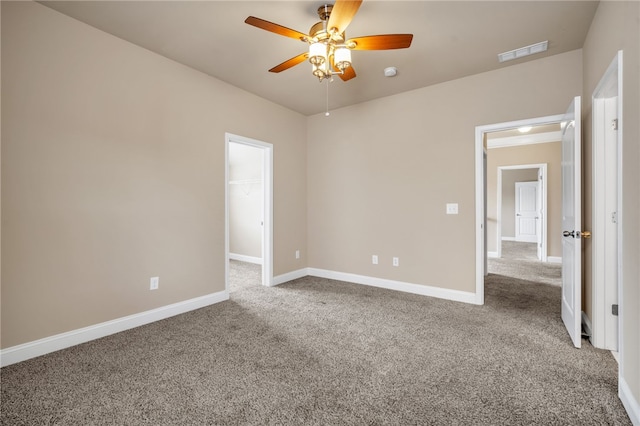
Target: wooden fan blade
{"type": "Point", "coordinates": [342, 14]}
{"type": "Point", "coordinates": [348, 74]}
{"type": "Point", "coordinates": [290, 62]}
{"type": "Point", "coordinates": [381, 42]}
{"type": "Point", "coordinates": [275, 28]}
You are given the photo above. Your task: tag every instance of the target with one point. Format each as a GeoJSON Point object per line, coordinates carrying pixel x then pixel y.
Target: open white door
{"type": "Point", "coordinates": [572, 222]}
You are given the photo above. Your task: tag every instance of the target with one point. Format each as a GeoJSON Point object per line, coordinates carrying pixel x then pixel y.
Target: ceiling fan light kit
{"type": "Point", "coordinates": [329, 51]}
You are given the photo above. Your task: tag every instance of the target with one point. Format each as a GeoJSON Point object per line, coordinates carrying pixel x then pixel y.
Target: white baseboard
{"type": "Point", "coordinates": [508, 238]}
{"type": "Point", "coordinates": [629, 402]}
{"type": "Point", "coordinates": [290, 276]}
{"type": "Point", "coordinates": [50, 344]}
{"type": "Point", "coordinates": [243, 258]}
{"type": "Point", "coordinates": [586, 323]}
{"type": "Point", "coordinates": [616, 356]}
{"type": "Point", "coordinates": [493, 254]}
{"type": "Point", "coordinates": [554, 259]}
{"type": "Point", "coordinates": [423, 290]}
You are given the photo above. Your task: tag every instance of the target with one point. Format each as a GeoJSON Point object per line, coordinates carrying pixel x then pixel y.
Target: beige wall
{"type": "Point", "coordinates": [616, 26]}
{"type": "Point", "coordinates": [380, 183]}
{"type": "Point", "coordinates": [549, 153]}
{"type": "Point", "coordinates": [113, 172]}
{"type": "Point", "coordinates": [245, 200]}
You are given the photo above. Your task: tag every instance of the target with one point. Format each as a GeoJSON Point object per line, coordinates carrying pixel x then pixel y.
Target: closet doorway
{"type": "Point", "coordinates": [249, 205]}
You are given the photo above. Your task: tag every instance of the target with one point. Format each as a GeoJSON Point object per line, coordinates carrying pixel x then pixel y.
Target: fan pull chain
{"type": "Point", "coordinates": [327, 113]}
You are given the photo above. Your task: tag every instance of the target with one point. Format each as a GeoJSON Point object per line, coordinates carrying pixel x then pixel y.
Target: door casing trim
{"type": "Point", "coordinates": [267, 208]}
{"type": "Point", "coordinates": [599, 206]}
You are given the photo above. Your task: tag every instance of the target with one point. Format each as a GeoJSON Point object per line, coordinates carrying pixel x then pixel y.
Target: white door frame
{"type": "Point", "coordinates": [267, 207]}
{"type": "Point", "coordinates": [542, 170]}
{"type": "Point", "coordinates": [607, 179]}
{"type": "Point", "coordinates": [481, 253]}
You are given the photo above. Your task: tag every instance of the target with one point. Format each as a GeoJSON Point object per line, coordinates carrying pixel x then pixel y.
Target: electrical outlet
{"type": "Point", "coordinates": [396, 261]}
{"type": "Point", "coordinates": [374, 259]}
{"type": "Point", "coordinates": [297, 254]}
{"type": "Point", "coordinates": [154, 283]}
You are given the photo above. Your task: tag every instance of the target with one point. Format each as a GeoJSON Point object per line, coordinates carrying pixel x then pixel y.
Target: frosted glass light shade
{"type": "Point", "coordinates": [317, 53]}
{"type": "Point", "coordinates": [342, 58]}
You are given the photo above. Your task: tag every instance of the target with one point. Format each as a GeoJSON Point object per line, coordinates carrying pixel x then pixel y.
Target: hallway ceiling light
{"type": "Point", "coordinates": [523, 51]}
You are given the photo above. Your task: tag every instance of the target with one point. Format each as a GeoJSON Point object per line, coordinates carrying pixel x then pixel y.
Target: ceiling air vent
{"type": "Point", "coordinates": [523, 51]}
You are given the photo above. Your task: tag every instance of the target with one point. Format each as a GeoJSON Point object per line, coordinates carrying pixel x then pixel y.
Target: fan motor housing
{"type": "Point", "coordinates": [324, 11]}
{"type": "Point", "coordinates": [319, 32]}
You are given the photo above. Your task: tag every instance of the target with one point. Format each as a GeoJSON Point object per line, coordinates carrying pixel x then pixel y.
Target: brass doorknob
{"type": "Point", "coordinates": [585, 234]}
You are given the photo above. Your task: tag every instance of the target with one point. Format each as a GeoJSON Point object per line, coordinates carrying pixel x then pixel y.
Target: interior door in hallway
{"type": "Point", "coordinates": [527, 211]}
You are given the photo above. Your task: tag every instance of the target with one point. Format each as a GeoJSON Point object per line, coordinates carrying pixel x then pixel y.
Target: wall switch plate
{"type": "Point", "coordinates": [452, 208]}
{"type": "Point", "coordinates": [374, 259]}
{"type": "Point", "coordinates": [297, 254]}
{"type": "Point", "coordinates": [154, 283]}
{"type": "Point", "coordinates": [396, 261]}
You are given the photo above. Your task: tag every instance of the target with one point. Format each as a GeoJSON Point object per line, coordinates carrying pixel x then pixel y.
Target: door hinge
{"type": "Point", "coordinates": [614, 310]}
{"type": "Point", "coordinates": [614, 217]}
{"type": "Point", "coordinates": [614, 124]}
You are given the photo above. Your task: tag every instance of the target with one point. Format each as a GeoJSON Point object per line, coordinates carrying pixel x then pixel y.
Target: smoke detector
{"type": "Point", "coordinates": [390, 72]}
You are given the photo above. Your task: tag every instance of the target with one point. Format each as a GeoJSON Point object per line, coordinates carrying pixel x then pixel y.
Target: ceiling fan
{"type": "Point", "coordinates": [329, 49]}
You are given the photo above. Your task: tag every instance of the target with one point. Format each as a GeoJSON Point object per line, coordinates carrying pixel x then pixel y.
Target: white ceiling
{"type": "Point", "coordinates": [546, 128]}
{"type": "Point", "coordinates": [452, 39]}
{"type": "Point", "coordinates": [538, 134]}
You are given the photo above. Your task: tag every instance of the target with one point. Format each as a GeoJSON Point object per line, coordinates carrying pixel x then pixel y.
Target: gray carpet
{"type": "Point", "coordinates": [243, 275]}
{"type": "Point", "coordinates": [515, 250]}
{"type": "Point", "coordinates": [322, 352]}
{"type": "Point", "coordinates": [519, 260]}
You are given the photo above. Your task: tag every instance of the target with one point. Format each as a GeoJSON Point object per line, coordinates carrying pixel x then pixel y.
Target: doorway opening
{"type": "Point", "coordinates": [249, 206]}
{"type": "Point", "coordinates": [486, 203]}
{"type": "Point", "coordinates": [571, 210]}
{"type": "Point", "coordinates": [521, 212]}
